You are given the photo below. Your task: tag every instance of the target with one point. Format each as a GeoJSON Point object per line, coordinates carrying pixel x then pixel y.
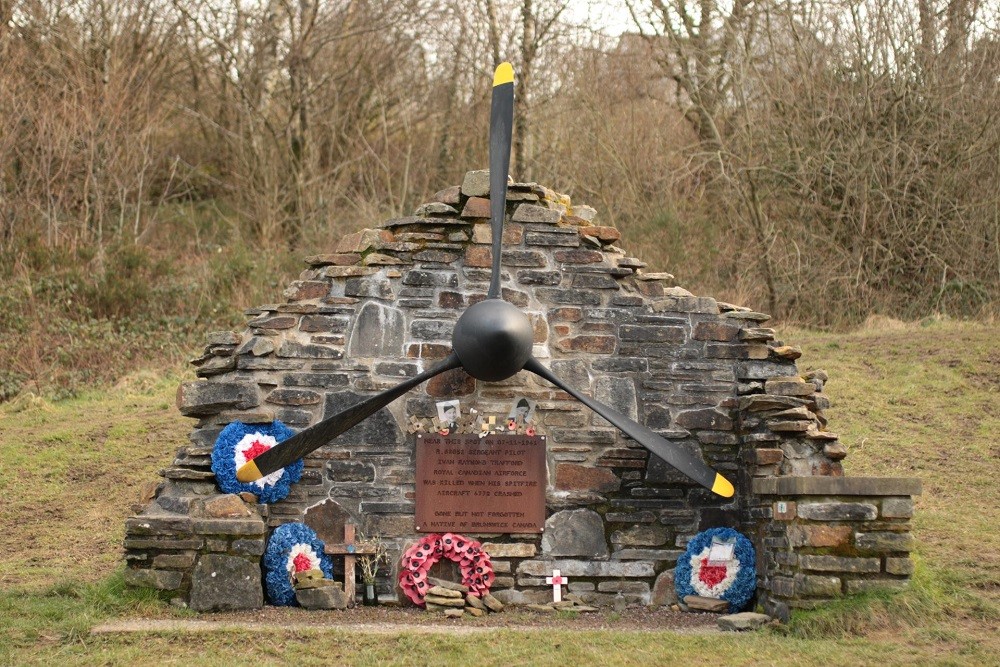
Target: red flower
{"type": "Point", "coordinates": [530, 431]}
{"type": "Point", "coordinates": [711, 575]}
{"type": "Point", "coordinates": [302, 563]}
{"type": "Point", "coordinates": [255, 449]}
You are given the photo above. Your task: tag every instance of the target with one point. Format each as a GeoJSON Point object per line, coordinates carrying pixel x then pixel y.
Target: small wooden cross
{"type": "Point", "coordinates": [557, 580]}
{"type": "Point", "coordinates": [350, 551]}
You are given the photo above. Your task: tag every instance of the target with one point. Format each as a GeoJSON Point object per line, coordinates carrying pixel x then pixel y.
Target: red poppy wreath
{"type": "Point", "coordinates": [473, 561]}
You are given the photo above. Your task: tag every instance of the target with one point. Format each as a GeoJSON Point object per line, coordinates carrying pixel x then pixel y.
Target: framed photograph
{"type": "Point", "coordinates": [523, 410]}
{"type": "Point", "coordinates": [449, 412]}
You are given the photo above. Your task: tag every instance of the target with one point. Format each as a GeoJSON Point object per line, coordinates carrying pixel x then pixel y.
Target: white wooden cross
{"type": "Point", "coordinates": [557, 580]}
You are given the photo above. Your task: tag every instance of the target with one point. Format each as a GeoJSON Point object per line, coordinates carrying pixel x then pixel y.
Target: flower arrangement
{"type": "Point", "coordinates": [239, 443]}
{"type": "Point", "coordinates": [733, 581]}
{"type": "Point", "coordinates": [292, 548]}
{"type": "Point", "coordinates": [473, 561]}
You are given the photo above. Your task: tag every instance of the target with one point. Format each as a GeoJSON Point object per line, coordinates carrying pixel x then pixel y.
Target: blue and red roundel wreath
{"type": "Point", "coordinates": [473, 561]}
{"type": "Point", "coordinates": [239, 443]}
{"type": "Point", "coordinates": [292, 548]}
{"type": "Point", "coordinates": [733, 580]}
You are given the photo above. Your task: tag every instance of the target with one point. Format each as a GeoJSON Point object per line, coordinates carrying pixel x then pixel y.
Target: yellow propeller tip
{"type": "Point", "coordinates": [723, 487]}
{"type": "Point", "coordinates": [503, 74]}
{"type": "Point", "coordinates": [248, 472]}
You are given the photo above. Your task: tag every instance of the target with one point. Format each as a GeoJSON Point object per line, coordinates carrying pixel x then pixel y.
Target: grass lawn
{"type": "Point", "coordinates": [909, 400]}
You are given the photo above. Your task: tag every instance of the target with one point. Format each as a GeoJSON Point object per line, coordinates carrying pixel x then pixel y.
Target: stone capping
{"type": "Point", "coordinates": [837, 486]}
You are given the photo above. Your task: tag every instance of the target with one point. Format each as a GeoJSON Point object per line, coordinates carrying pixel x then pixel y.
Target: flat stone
{"type": "Point", "coordinates": [510, 549]}
{"type": "Point", "coordinates": [821, 563]}
{"type": "Point", "coordinates": [536, 214]}
{"type": "Point", "coordinates": [454, 613]}
{"type": "Point", "coordinates": [492, 603]}
{"type": "Point", "coordinates": [897, 508]}
{"type": "Point", "coordinates": [883, 542]}
{"type": "Point", "coordinates": [764, 402]}
{"type": "Point", "coordinates": [602, 234]}
{"type": "Point", "coordinates": [205, 398]}
{"type": "Point", "coordinates": [837, 486]}
{"type": "Point", "coordinates": [164, 580]}
{"type": "Point", "coordinates": [580, 568]}
{"type": "Point", "coordinates": [435, 208]}
{"type": "Point", "coordinates": [817, 586]}
{"type": "Point", "coordinates": [441, 591]}
{"type": "Point", "coordinates": [572, 476]}
{"type": "Point", "coordinates": [835, 511]}
{"type": "Point", "coordinates": [789, 387]}
{"type": "Point", "coordinates": [326, 597]}
{"type": "Point", "coordinates": [574, 533]}
{"type": "Point", "coordinates": [855, 586]}
{"type": "Point", "coordinates": [300, 290]}
{"type": "Point", "coordinates": [445, 601]}
{"type": "Point", "coordinates": [811, 535]}
{"type": "Point", "coordinates": [699, 603]}
{"type": "Point", "coordinates": [742, 622]}
{"type": "Point", "coordinates": [475, 611]}
{"type": "Point", "coordinates": [449, 585]}
{"type": "Point", "coordinates": [471, 601]}
{"type": "Point", "coordinates": [226, 583]}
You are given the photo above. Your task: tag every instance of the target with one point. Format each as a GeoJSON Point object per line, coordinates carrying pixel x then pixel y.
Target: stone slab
{"type": "Point", "coordinates": [837, 486]}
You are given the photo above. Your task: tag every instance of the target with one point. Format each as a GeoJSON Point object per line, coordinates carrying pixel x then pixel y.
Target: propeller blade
{"type": "Point", "coordinates": [690, 465]}
{"type": "Point", "coordinates": [317, 435]}
{"type": "Point", "coordinates": [501, 127]}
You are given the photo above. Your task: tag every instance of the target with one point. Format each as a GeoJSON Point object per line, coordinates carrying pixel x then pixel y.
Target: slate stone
{"type": "Point", "coordinates": [226, 583]}
{"type": "Point", "coordinates": [838, 511]}
{"type": "Point", "coordinates": [373, 287]}
{"type": "Point", "coordinates": [536, 214]}
{"type": "Point", "coordinates": [291, 349]}
{"type": "Point", "coordinates": [164, 580]}
{"type": "Point", "coordinates": [574, 533]}
{"type": "Point", "coordinates": [293, 397]}
{"type": "Point", "coordinates": [324, 380]}
{"type": "Point", "coordinates": [325, 597]}
{"type": "Point", "coordinates": [204, 398]}
{"type": "Point", "coordinates": [551, 239]}
{"type": "Point", "coordinates": [742, 622]}
{"type": "Point", "coordinates": [617, 393]}
{"type": "Point", "coordinates": [586, 568]}
{"type": "Point", "coordinates": [529, 277]}
{"type": "Point", "coordinates": [350, 471]}
{"type": "Point", "coordinates": [378, 332]}
{"type": "Point", "coordinates": [884, 542]}
{"type": "Point", "coordinates": [419, 278]}
{"type": "Point", "coordinates": [378, 429]}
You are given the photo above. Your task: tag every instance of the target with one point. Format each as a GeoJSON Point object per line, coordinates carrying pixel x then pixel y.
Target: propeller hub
{"type": "Point", "coordinates": [493, 340]}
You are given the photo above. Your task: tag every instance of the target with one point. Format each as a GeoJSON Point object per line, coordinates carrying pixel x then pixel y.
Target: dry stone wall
{"type": "Point", "coordinates": [707, 376]}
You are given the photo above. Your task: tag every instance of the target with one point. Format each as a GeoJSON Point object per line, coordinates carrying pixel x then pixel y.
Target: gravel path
{"type": "Point", "coordinates": [393, 620]}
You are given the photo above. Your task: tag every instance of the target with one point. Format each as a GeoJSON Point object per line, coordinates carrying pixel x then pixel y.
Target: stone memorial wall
{"type": "Point", "coordinates": [708, 376]}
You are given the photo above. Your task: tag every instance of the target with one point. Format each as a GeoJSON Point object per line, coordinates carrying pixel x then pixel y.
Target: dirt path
{"type": "Point", "coordinates": [386, 620]}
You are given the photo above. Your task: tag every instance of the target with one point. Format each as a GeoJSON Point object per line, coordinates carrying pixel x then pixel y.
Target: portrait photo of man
{"type": "Point", "coordinates": [448, 412]}
{"type": "Point", "coordinates": [523, 411]}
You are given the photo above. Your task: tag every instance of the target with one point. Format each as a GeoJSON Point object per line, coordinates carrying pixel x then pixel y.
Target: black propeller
{"type": "Point", "coordinates": [492, 341]}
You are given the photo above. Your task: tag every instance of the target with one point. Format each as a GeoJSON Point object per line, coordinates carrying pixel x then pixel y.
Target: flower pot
{"type": "Point", "coordinates": [369, 597]}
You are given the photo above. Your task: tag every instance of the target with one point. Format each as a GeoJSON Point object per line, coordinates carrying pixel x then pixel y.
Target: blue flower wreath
{"type": "Point", "coordinates": [277, 581]}
{"type": "Point", "coordinates": [743, 587]}
{"type": "Point", "coordinates": [224, 464]}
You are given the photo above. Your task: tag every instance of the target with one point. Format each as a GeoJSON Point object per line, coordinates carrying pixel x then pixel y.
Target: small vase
{"type": "Point", "coordinates": [369, 597]}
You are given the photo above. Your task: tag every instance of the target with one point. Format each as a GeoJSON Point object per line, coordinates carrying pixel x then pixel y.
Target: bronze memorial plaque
{"type": "Point", "coordinates": [494, 484]}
